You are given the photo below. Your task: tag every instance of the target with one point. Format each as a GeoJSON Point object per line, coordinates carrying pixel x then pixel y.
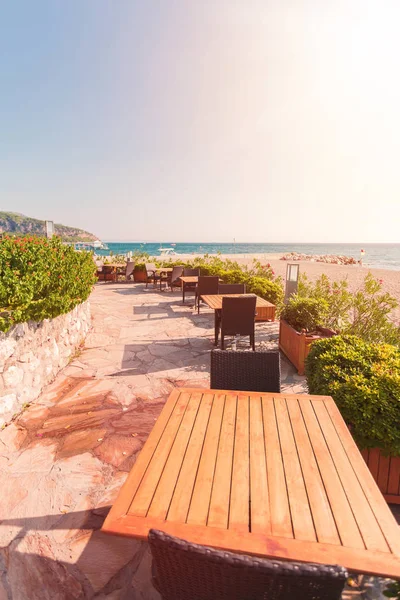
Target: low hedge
{"type": "Point", "coordinates": [41, 279]}
{"type": "Point", "coordinates": [259, 279]}
{"type": "Point", "coordinates": [364, 380]}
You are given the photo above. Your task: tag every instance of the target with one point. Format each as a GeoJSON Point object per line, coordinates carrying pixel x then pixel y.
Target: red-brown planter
{"type": "Point", "coordinates": [139, 276]}
{"type": "Point", "coordinates": [296, 346]}
{"type": "Point", "coordinates": [386, 472]}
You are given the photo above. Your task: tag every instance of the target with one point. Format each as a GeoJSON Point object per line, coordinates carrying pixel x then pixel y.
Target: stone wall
{"type": "Point", "coordinates": [31, 355]}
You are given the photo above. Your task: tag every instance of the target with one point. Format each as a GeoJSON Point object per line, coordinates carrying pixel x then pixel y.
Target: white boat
{"type": "Point", "coordinates": [165, 252]}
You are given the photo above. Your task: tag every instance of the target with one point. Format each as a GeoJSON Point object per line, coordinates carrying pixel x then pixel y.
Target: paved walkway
{"type": "Point", "coordinates": [63, 461]}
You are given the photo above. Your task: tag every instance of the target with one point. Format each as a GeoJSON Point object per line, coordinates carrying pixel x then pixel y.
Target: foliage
{"type": "Point", "coordinates": [41, 278]}
{"type": "Point", "coordinates": [365, 313]}
{"type": "Point", "coordinates": [393, 590]}
{"type": "Point", "coordinates": [259, 279]}
{"type": "Point", "coordinates": [364, 380]}
{"type": "Point", "coordinates": [305, 313]}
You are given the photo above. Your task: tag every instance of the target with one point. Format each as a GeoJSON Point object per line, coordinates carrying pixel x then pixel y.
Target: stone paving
{"type": "Point", "coordinates": [64, 459]}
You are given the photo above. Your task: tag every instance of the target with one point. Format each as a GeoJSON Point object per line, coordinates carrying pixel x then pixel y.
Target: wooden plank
{"type": "Point", "coordinates": [180, 503]}
{"type": "Point", "coordinates": [324, 522]}
{"type": "Point", "coordinates": [384, 517]}
{"type": "Point", "coordinates": [383, 473]}
{"type": "Point", "coordinates": [148, 485]}
{"type": "Point", "coordinates": [165, 488]}
{"type": "Point", "coordinates": [347, 526]}
{"type": "Point", "coordinates": [394, 476]}
{"type": "Point", "coordinates": [373, 462]}
{"type": "Point", "coordinates": [239, 511]}
{"type": "Point", "coordinates": [366, 521]}
{"type": "Point", "coordinates": [259, 496]}
{"type": "Point", "coordinates": [200, 502]}
{"type": "Point", "coordinates": [220, 496]}
{"type": "Point", "coordinates": [355, 560]}
{"type": "Point", "coordinates": [303, 525]}
{"type": "Point", "coordinates": [281, 523]}
{"type": "Point", "coordinates": [129, 489]}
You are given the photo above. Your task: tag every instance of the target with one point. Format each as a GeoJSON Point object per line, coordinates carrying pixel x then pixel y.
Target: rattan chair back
{"type": "Point", "coordinates": [248, 371]}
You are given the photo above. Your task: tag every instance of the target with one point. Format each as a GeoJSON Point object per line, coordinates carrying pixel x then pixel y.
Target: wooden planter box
{"type": "Point", "coordinates": [139, 276]}
{"type": "Point", "coordinates": [386, 472]}
{"type": "Point", "coordinates": [296, 346]}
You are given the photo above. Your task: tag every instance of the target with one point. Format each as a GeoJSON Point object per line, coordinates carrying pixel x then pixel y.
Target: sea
{"type": "Point", "coordinates": [382, 256]}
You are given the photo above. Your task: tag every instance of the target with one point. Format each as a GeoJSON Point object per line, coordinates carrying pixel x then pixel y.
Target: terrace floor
{"type": "Point", "coordinates": [64, 459]}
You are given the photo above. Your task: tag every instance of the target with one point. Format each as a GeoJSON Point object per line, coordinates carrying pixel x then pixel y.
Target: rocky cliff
{"type": "Point", "coordinates": [20, 224]}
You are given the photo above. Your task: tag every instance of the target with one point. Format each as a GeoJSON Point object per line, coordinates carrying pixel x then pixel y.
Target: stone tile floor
{"type": "Point", "coordinates": [64, 459]}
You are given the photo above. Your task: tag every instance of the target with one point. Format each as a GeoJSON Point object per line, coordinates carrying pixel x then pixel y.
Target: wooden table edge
{"type": "Point", "coordinates": [381, 564]}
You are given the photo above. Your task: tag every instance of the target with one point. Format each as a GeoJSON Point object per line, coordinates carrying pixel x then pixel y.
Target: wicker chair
{"type": "Point", "coordinates": [248, 371]}
{"type": "Point", "coordinates": [238, 317]}
{"type": "Point", "coordinates": [206, 285]}
{"type": "Point", "coordinates": [186, 571]}
{"type": "Point", "coordinates": [107, 273]}
{"type": "Point", "coordinates": [130, 267]}
{"type": "Point", "coordinates": [151, 274]}
{"type": "Point", "coordinates": [172, 279]}
{"type": "Point", "coordinates": [231, 288]}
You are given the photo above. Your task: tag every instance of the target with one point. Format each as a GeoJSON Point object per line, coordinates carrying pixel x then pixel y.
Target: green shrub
{"type": "Point", "coordinates": [365, 313]}
{"type": "Point", "coordinates": [41, 279]}
{"type": "Point", "coordinates": [258, 279]}
{"type": "Point", "coordinates": [305, 313]}
{"type": "Point", "coordinates": [364, 381]}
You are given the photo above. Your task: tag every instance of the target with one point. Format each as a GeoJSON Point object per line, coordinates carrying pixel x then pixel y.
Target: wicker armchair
{"type": "Point", "coordinates": [206, 285]}
{"type": "Point", "coordinates": [151, 274]}
{"type": "Point", "coordinates": [172, 279]}
{"type": "Point", "coordinates": [186, 571]}
{"type": "Point", "coordinates": [238, 317]}
{"type": "Point", "coordinates": [130, 267]}
{"type": "Point", "coordinates": [107, 273]}
{"type": "Point", "coordinates": [248, 371]}
{"type": "Point", "coordinates": [231, 288]}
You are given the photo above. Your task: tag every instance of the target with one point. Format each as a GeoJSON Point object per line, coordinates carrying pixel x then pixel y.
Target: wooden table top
{"type": "Point", "coordinates": [215, 300]}
{"type": "Point", "coordinates": [272, 475]}
{"type": "Point", "coordinates": [164, 270]}
{"type": "Point", "coordinates": [189, 278]}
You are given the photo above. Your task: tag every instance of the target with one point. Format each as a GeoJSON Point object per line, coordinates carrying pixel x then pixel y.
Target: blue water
{"type": "Point", "coordinates": [385, 256]}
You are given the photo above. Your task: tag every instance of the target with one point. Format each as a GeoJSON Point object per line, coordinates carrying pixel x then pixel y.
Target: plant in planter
{"type": "Point", "coordinates": [364, 380]}
{"type": "Point", "coordinates": [302, 322]}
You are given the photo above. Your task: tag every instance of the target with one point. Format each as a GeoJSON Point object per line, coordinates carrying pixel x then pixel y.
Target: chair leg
{"type": "Point", "coordinates": [253, 341]}
{"type": "Point", "coordinates": [222, 341]}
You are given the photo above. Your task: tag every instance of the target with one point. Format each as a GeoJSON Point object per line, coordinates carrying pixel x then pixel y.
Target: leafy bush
{"type": "Point", "coordinates": [41, 279]}
{"type": "Point", "coordinates": [305, 313]}
{"type": "Point", "coordinates": [364, 381]}
{"type": "Point", "coordinates": [365, 313]}
{"type": "Point", "coordinates": [393, 590]}
{"type": "Point", "coordinates": [259, 279]}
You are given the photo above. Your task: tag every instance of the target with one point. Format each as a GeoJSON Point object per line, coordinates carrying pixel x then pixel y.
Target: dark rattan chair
{"type": "Point", "coordinates": [186, 571]}
{"type": "Point", "coordinates": [151, 274]}
{"type": "Point", "coordinates": [172, 279]}
{"type": "Point", "coordinates": [238, 317]}
{"type": "Point", "coordinates": [206, 285]}
{"type": "Point", "coordinates": [107, 273]}
{"type": "Point", "coordinates": [248, 371]}
{"type": "Point", "coordinates": [231, 288]}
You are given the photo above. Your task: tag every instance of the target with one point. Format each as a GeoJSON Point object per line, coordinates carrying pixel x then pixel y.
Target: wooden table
{"type": "Point", "coordinates": [162, 270]}
{"type": "Point", "coordinates": [265, 310]}
{"type": "Point", "coordinates": [271, 475]}
{"type": "Point", "coordinates": [187, 280]}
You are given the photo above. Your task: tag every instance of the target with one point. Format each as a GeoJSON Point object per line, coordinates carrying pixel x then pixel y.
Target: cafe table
{"type": "Point", "coordinates": [163, 271]}
{"type": "Point", "coordinates": [265, 310]}
{"type": "Point", "coordinates": [188, 281]}
{"type": "Point", "coordinates": [270, 475]}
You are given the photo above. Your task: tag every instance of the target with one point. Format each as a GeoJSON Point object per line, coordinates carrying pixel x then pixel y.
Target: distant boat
{"type": "Point", "coordinates": [165, 252]}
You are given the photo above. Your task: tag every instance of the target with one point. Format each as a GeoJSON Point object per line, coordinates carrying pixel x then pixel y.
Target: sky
{"type": "Point", "coordinates": [259, 120]}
